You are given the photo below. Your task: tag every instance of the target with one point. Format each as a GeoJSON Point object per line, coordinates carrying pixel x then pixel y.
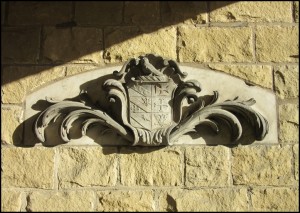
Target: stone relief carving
{"type": "Point", "coordinates": [147, 100]}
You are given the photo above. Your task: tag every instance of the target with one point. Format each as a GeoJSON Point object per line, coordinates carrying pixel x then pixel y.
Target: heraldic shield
{"type": "Point", "coordinates": [151, 105]}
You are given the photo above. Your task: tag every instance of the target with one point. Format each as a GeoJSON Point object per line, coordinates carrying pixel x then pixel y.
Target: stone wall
{"type": "Point", "coordinates": [255, 41]}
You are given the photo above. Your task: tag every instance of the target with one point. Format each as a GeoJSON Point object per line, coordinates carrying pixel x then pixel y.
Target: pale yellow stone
{"type": "Point", "coordinates": [215, 44]}
{"type": "Point", "coordinates": [275, 199]}
{"type": "Point", "coordinates": [262, 165]}
{"type": "Point", "coordinates": [250, 11]}
{"type": "Point", "coordinates": [123, 201]}
{"type": "Point", "coordinates": [147, 167]}
{"type": "Point", "coordinates": [10, 201]}
{"type": "Point", "coordinates": [287, 81]}
{"type": "Point", "coordinates": [296, 10]}
{"type": "Point", "coordinates": [257, 74]}
{"type": "Point", "coordinates": [72, 70]}
{"type": "Point", "coordinates": [123, 43]}
{"type": "Point", "coordinates": [23, 80]}
{"type": "Point", "coordinates": [60, 201]}
{"type": "Point", "coordinates": [87, 166]}
{"type": "Point", "coordinates": [289, 123]}
{"type": "Point", "coordinates": [207, 166]}
{"type": "Point", "coordinates": [27, 167]}
{"type": "Point", "coordinates": [277, 43]}
{"type": "Point", "coordinates": [204, 200]}
{"type": "Point", "coordinates": [296, 159]}
{"type": "Point", "coordinates": [11, 130]}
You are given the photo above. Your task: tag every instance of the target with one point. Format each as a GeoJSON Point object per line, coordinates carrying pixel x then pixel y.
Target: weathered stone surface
{"type": "Point", "coordinates": [147, 167]}
{"type": "Point", "coordinates": [76, 69]}
{"type": "Point", "coordinates": [142, 12]}
{"type": "Point", "coordinates": [257, 74]}
{"type": "Point", "coordinates": [123, 43]}
{"type": "Point", "coordinates": [207, 166]}
{"type": "Point", "coordinates": [264, 11]}
{"type": "Point", "coordinates": [60, 201]}
{"type": "Point", "coordinates": [23, 13]}
{"type": "Point", "coordinates": [27, 168]}
{"type": "Point", "coordinates": [20, 45]}
{"type": "Point", "coordinates": [204, 200]}
{"type": "Point", "coordinates": [277, 44]}
{"type": "Point", "coordinates": [188, 12]}
{"type": "Point", "coordinates": [10, 201]}
{"type": "Point", "coordinates": [79, 45]}
{"type": "Point", "coordinates": [275, 199]}
{"type": "Point", "coordinates": [10, 120]}
{"type": "Point", "coordinates": [87, 166]}
{"type": "Point", "coordinates": [289, 123]}
{"type": "Point", "coordinates": [123, 201]}
{"type": "Point", "coordinates": [22, 80]}
{"type": "Point", "coordinates": [287, 81]}
{"type": "Point", "coordinates": [98, 13]}
{"type": "Point", "coordinates": [215, 44]}
{"type": "Point", "coordinates": [296, 160]}
{"type": "Point", "coordinates": [262, 165]}
{"type": "Point", "coordinates": [296, 11]}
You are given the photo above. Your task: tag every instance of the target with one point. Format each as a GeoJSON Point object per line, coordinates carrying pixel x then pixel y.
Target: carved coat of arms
{"type": "Point", "coordinates": [146, 97]}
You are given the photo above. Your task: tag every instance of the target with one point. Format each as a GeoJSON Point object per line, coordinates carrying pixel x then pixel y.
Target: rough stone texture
{"type": "Point", "coordinates": [60, 201]}
{"type": "Point", "coordinates": [34, 13]}
{"type": "Point", "coordinates": [122, 201]}
{"type": "Point", "coordinates": [20, 45]}
{"type": "Point", "coordinates": [264, 11]}
{"type": "Point", "coordinates": [98, 13]}
{"type": "Point", "coordinates": [207, 166]}
{"type": "Point", "coordinates": [76, 69]}
{"type": "Point", "coordinates": [20, 80]}
{"type": "Point", "coordinates": [257, 74]}
{"type": "Point", "coordinates": [188, 12]}
{"type": "Point", "coordinates": [87, 166]}
{"type": "Point", "coordinates": [296, 11]}
{"type": "Point", "coordinates": [275, 199]}
{"type": "Point", "coordinates": [27, 168]}
{"type": "Point", "coordinates": [142, 12]}
{"type": "Point", "coordinates": [123, 43]}
{"type": "Point", "coordinates": [147, 167]}
{"type": "Point", "coordinates": [262, 165]}
{"type": "Point", "coordinates": [10, 120]}
{"type": "Point", "coordinates": [287, 81]}
{"type": "Point", "coordinates": [215, 44]}
{"type": "Point", "coordinates": [79, 45]}
{"type": "Point", "coordinates": [10, 201]}
{"type": "Point", "coordinates": [296, 159]}
{"type": "Point", "coordinates": [204, 200]}
{"type": "Point", "coordinates": [277, 44]}
{"type": "Point", "coordinates": [289, 123]}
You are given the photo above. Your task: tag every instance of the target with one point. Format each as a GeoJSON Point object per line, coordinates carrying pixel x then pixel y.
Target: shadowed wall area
{"type": "Point", "coordinates": [42, 42]}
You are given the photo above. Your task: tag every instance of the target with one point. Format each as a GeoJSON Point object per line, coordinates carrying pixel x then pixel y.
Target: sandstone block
{"type": "Point", "coordinates": [277, 44]}
{"type": "Point", "coordinates": [215, 44]}
{"type": "Point", "coordinates": [204, 200]}
{"type": "Point", "coordinates": [275, 199]}
{"type": "Point", "coordinates": [264, 11]}
{"type": "Point", "coordinates": [27, 168]}
{"type": "Point", "coordinates": [257, 74]}
{"type": "Point", "coordinates": [207, 166]}
{"type": "Point", "coordinates": [60, 201]}
{"type": "Point", "coordinates": [98, 13]}
{"type": "Point", "coordinates": [87, 166]}
{"type": "Point", "coordinates": [10, 120]}
{"type": "Point", "coordinates": [287, 81]}
{"type": "Point", "coordinates": [296, 160]}
{"type": "Point", "coordinates": [21, 80]}
{"type": "Point", "coordinates": [123, 43]}
{"type": "Point", "coordinates": [122, 201]}
{"type": "Point", "coordinates": [151, 167]}
{"type": "Point", "coordinates": [10, 201]}
{"type": "Point", "coordinates": [289, 123]}
{"type": "Point", "coordinates": [189, 12]}
{"type": "Point", "coordinates": [262, 165]}
{"type": "Point", "coordinates": [20, 45]}
{"type": "Point", "coordinates": [24, 13]}
{"type": "Point", "coordinates": [296, 11]}
{"type": "Point", "coordinates": [76, 69]}
{"type": "Point", "coordinates": [79, 45]}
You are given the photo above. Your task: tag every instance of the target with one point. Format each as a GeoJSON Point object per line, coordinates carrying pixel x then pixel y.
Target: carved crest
{"type": "Point", "coordinates": [146, 97]}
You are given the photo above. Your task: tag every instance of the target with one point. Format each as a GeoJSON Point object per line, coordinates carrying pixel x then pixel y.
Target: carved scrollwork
{"type": "Point", "coordinates": [147, 99]}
